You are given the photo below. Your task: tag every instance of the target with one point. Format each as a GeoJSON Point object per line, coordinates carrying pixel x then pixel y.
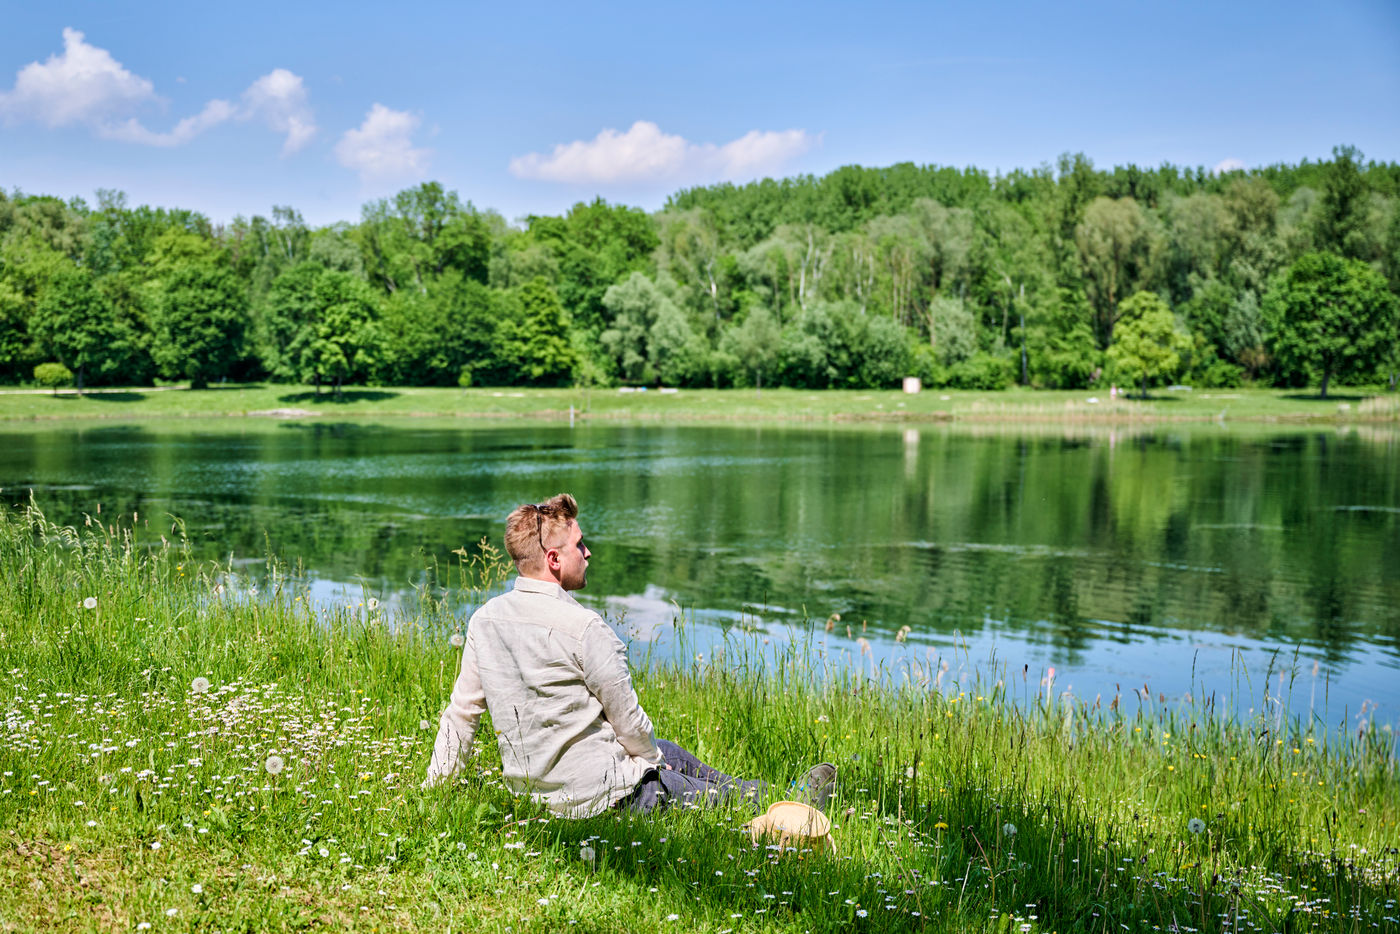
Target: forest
{"type": "Point", "coordinates": [1064, 276]}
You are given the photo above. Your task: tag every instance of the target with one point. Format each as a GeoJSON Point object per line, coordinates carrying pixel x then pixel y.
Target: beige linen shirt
{"type": "Point", "coordinates": [554, 677]}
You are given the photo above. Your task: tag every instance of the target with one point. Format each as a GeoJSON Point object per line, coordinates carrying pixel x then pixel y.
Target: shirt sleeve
{"type": "Point", "coordinates": [457, 728]}
{"type": "Point", "coordinates": [605, 672]}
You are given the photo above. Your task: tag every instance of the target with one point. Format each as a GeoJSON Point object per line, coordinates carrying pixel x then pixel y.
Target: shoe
{"type": "Point", "coordinates": [819, 783]}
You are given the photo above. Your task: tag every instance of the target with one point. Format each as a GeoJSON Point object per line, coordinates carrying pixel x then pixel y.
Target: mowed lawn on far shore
{"type": "Point", "coordinates": [1342, 405]}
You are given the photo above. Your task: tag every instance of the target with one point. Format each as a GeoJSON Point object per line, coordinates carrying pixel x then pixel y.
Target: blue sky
{"type": "Point", "coordinates": [527, 108]}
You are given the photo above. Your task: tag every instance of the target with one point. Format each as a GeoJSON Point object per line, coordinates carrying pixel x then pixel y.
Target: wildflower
{"type": "Point", "coordinates": [458, 640]}
{"type": "Point", "coordinates": [823, 719]}
{"type": "Point", "coordinates": [542, 902]}
{"type": "Point", "coordinates": [90, 603]}
{"type": "Point", "coordinates": [423, 724]}
{"type": "Point", "coordinates": [200, 685]}
{"type": "Point", "coordinates": [673, 917]}
{"type": "Point", "coordinates": [1195, 825]}
{"type": "Point", "coordinates": [197, 889]}
{"type": "Point", "coordinates": [155, 844]}
{"type": "Point", "coordinates": [940, 826]}
{"type": "Point", "coordinates": [274, 765]}
{"type": "Point", "coordinates": [586, 854]}
{"type": "Point", "coordinates": [143, 926]}
{"type": "Point", "coordinates": [861, 912]}
{"type": "Point", "coordinates": [472, 856]}
{"type": "Point", "coordinates": [1008, 830]}
{"type": "Point", "coordinates": [171, 912]}
{"type": "Point", "coordinates": [324, 852]}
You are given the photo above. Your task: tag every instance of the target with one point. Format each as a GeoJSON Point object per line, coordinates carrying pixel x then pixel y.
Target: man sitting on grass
{"type": "Point", "coordinates": [554, 677]}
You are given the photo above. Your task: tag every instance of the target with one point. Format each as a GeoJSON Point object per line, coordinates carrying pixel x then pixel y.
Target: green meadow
{"type": "Point", "coordinates": [189, 748]}
{"type": "Point", "coordinates": [1226, 406]}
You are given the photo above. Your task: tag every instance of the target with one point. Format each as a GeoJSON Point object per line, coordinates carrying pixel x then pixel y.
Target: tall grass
{"type": "Point", "coordinates": [144, 733]}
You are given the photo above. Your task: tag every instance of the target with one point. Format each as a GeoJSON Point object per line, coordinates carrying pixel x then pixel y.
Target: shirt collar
{"type": "Point", "coordinates": [549, 588]}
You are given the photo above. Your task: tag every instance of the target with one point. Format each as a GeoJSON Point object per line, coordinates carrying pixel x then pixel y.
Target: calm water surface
{"type": "Point", "coordinates": [1168, 560]}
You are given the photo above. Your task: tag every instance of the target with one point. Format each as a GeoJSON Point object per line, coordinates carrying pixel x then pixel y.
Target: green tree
{"type": "Point", "coordinates": [1062, 350]}
{"type": "Point", "coordinates": [1330, 318]}
{"type": "Point", "coordinates": [952, 330]}
{"type": "Point", "coordinates": [73, 325]}
{"type": "Point", "coordinates": [342, 341]}
{"type": "Point", "coordinates": [199, 324]}
{"type": "Point", "coordinates": [534, 346]}
{"type": "Point", "coordinates": [754, 344]}
{"type": "Point", "coordinates": [1342, 209]}
{"type": "Point", "coordinates": [595, 245]}
{"type": "Point", "coordinates": [679, 355]}
{"type": "Point", "coordinates": [17, 352]}
{"type": "Point", "coordinates": [420, 234]}
{"type": "Point", "coordinates": [1147, 345]}
{"type": "Point", "coordinates": [634, 305]}
{"type": "Point", "coordinates": [53, 375]}
{"type": "Point", "coordinates": [1117, 246]}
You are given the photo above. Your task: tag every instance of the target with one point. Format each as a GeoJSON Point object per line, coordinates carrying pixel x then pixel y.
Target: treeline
{"type": "Point", "coordinates": [1062, 276]}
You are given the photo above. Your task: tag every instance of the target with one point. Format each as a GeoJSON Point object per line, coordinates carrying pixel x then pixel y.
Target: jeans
{"type": "Point", "coordinates": [686, 780]}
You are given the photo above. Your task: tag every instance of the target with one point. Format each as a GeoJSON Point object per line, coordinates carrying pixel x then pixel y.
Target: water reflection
{"type": "Point", "coordinates": [1126, 556]}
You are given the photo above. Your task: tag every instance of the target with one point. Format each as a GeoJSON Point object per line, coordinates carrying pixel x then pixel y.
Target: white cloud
{"type": "Point", "coordinates": [1227, 165]}
{"type": "Point", "coordinates": [645, 154]}
{"type": "Point", "coordinates": [133, 131]}
{"type": "Point", "coordinates": [86, 86]}
{"type": "Point", "coordinates": [279, 98]}
{"type": "Point", "coordinates": [83, 85]}
{"type": "Point", "coordinates": [382, 147]}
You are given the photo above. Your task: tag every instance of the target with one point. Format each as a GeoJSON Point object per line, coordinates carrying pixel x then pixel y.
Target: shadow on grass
{"type": "Point", "coordinates": [106, 396]}
{"type": "Point", "coordinates": [1330, 397]}
{"type": "Point", "coordinates": [330, 398]}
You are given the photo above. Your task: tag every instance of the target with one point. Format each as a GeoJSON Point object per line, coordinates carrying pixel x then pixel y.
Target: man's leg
{"type": "Point", "coordinates": [688, 765]}
{"type": "Point", "coordinates": [687, 781]}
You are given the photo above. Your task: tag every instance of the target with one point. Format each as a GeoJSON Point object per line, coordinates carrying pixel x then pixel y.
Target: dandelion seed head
{"type": "Point", "coordinates": [424, 725]}
{"type": "Point", "coordinates": [1196, 825]}
{"type": "Point", "coordinates": [587, 854]}
{"type": "Point", "coordinates": [200, 685]}
{"type": "Point", "coordinates": [1008, 830]}
{"type": "Point", "coordinates": [458, 640]}
{"type": "Point", "coordinates": [373, 604]}
{"type": "Point", "coordinates": [90, 603]}
{"type": "Point", "coordinates": [274, 765]}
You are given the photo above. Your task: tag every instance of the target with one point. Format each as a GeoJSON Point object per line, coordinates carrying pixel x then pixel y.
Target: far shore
{"type": "Point", "coordinates": [1090, 407]}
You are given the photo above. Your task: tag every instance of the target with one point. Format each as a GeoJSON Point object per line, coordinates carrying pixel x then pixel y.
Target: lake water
{"type": "Point", "coordinates": [1165, 561]}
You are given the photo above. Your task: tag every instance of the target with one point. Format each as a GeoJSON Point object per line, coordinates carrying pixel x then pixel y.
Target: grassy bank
{"type": "Point", "coordinates": [184, 754]}
{"type": "Point", "coordinates": [1016, 405]}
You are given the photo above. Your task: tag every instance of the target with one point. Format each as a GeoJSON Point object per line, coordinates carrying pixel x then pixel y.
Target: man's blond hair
{"type": "Point", "coordinates": [536, 527]}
